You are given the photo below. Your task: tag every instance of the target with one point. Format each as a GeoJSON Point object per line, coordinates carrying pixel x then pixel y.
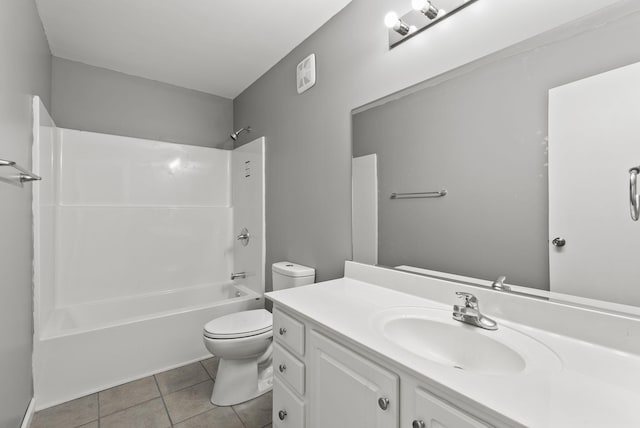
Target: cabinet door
{"type": "Point", "coordinates": [347, 390]}
{"type": "Point", "coordinates": [431, 412]}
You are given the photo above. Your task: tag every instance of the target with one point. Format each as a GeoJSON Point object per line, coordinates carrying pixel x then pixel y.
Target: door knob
{"type": "Point", "coordinates": [282, 414]}
{"type": "Point", "coordinates": [559, 242]}
{"type": "Point", "coordinates": [383, 402]}
{"type": "Point", "coordinates": [418, 424]}
{"type": "Point", "coordinates": [282, 331]}
{"type": "Point", "coordinates": [282, 368]}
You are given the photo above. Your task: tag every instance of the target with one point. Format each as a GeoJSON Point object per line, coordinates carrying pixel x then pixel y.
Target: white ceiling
{"type": "Point", "coordinates": [214, 46]}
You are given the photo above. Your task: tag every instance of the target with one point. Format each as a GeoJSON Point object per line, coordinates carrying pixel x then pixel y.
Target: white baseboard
{"type": "Point", "coordinates": [26, 421]}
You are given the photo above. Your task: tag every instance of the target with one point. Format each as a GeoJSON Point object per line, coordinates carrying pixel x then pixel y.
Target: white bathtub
{"type": "Point", "coordinates": [92, 346]}
{"type": "Point", "coordinates": [118, 221]}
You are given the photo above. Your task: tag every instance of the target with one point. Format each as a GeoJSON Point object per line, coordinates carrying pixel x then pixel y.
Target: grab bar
{"type": "Point", "coordinates": [24, 175]}
{"type": "Point", "coordinates": [633, 192]}
{"type": "Point", "coordinates": [416, 195]}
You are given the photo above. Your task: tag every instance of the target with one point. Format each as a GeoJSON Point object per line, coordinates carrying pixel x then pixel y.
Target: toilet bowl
{"type": "Point", "coordinates": [242, 341]}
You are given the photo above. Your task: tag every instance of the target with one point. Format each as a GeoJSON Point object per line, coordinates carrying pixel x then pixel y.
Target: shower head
{"type": "Point", "coordinates": [236, 134]}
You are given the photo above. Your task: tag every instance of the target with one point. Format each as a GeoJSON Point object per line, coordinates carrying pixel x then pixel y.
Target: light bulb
{"type": "Point", "coordinates": [391, 19]}
{"type": "Point", "coordinates": [441, 13]}
{"type": "Point", "coordinates": [412, 29]}
{"type": "Point", "coordinates": [418, 4]}
{"type": "Point", "coordinates": [394, 23]}
{"type": "Point", "coordinates": [426, 8]}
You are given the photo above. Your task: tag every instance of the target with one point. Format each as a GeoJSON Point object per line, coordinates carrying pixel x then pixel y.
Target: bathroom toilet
{"type": "Point", "coordinates": [242, 341]}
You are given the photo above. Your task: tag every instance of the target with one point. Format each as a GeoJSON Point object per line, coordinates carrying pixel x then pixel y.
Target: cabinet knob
{"type": "Point", "coordinates": [282, 368]}
{"type": "Point", "coordinates": [282, 414]}
{"type": "Point", "coordinates": [419, 424]}
{"type": "Point", "coordinates": [383, 402]}
{"type": "Point", "coordinates": [282, 331]}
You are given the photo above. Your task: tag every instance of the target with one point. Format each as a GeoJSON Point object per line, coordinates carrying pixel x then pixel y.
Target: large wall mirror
{"type": "Point", "coordinates": [489, 145]}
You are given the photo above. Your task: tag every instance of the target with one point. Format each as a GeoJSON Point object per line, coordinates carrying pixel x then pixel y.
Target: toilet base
{"type": "Point", "coordinates": [238, 381]}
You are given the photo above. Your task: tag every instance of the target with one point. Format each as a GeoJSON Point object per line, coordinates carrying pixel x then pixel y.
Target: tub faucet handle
{"type": "Point", "coordinates": [244, 237]}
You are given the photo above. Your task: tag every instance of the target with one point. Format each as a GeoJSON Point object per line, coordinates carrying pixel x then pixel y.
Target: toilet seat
{"type": "Point", "coordinates": [239, 324]}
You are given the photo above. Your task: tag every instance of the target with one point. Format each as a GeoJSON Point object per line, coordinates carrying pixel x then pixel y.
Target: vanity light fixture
{"type": "Point", "coordinates": [394, 23]}
{"type": "Point", "coordinates": [423, 14]}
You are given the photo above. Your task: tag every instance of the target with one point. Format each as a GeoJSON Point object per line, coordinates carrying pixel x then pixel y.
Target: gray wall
{"type": "Point", "coordinates": [482, 136]}
{"type": "Point", "coordinates": [308, 210]}
{"type": "Point", "coordinates": [25, 69]}
{"type": "Point", "coordinates": [99, 100]}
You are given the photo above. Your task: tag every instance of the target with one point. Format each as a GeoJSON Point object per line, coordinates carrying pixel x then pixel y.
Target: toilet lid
{"type": "Point", "coordinates": [239, 324]}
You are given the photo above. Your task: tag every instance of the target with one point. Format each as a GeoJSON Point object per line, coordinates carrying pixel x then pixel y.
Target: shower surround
{"type": "Point", "coordinates": [134, 246]}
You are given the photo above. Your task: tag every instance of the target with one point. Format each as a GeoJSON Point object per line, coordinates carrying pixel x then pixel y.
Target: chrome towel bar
{"type": "Point", "coordinates": [416, 195]}
{"type": "Point", "coordinates": [24, 175]}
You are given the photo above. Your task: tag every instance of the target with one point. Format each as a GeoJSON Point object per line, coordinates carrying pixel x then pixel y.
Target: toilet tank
{"type": "Point", "coordinates": [287, 275]}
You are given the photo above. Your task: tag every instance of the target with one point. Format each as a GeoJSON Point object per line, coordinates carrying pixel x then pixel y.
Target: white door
{"type": "Point", "coordinates": [594, 140]}
{"type": "Point", "coordinates": [349, 391]}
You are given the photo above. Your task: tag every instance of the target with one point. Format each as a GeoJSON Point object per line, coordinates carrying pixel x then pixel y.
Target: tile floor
{"type": "Point", "coordinates": [176, 398]}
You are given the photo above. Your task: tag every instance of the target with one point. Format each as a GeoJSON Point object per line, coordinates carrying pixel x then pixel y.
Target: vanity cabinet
{"type": "Point", "coordinates": [324, 382]}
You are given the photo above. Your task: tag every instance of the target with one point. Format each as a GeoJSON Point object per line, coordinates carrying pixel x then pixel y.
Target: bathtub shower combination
{"type": "Point", "coordinates": [135, 241]}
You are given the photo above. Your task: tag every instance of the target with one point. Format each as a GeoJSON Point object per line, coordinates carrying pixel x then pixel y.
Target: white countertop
{"type": "Point", "coordinates": [594, 386]}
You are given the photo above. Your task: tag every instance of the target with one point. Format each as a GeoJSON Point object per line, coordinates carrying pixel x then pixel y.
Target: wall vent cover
{"type": "Point", "coordinates": [306, 73]}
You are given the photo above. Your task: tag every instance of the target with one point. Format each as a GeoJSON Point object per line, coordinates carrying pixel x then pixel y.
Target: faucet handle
{"type": "Point", "coordinates": [470, 301]}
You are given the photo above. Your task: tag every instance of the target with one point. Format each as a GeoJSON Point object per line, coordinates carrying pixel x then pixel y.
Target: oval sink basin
{"type": "Point", "coordinates": [433, 335]}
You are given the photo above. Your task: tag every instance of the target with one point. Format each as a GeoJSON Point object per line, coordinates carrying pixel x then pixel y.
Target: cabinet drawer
{"type": "Point", "coordinates": [289, 332]}
{"type": "Point", "coordinates": [288, 410]}
{"type": "Point", "coordinates": [288, 368]}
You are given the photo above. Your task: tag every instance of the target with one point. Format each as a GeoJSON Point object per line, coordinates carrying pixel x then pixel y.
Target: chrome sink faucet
{"type": "Point", "coordinates": [469, 313]}
{"type": "Point", "coordinates": [499, 284]}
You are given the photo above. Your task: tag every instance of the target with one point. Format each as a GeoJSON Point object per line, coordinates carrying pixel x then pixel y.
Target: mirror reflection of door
{"type": "Point", "coordinates": [364, 222]}
{"type": "Point", "coordinates": [594, 140]}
